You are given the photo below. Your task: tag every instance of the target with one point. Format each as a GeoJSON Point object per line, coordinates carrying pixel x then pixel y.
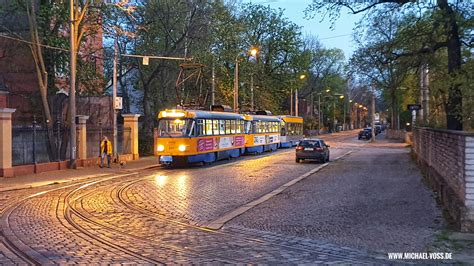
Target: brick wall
{"type": "Point", "coordinates": [447, 159]}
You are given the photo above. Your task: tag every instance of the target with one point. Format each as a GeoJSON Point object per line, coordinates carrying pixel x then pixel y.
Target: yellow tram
{"type": "Point", "coordinates": [291, 130]}
{"type": "Point", "coordinates": [191, 136]}
{"type": "Point", "coordinates": [262, 133]}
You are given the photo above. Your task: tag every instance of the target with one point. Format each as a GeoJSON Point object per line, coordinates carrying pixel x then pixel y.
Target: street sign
{"type": "Point", "coordinates": [118, 103]}
{"type": "Point", "coordinates": [145, 60]}
{"type": "Point", "coordinates": [413, 107]}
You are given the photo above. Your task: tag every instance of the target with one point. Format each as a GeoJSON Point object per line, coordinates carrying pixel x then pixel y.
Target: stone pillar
{"type": "Point", "coordinates": [131, 121]}
{"type": "Point", "coordinates": [6, 169]}
{"type": "Point", "coordinates": [81, 136]}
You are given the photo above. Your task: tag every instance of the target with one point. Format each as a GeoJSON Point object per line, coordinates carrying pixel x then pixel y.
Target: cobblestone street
{"type": "Point", "coordinates": [346, 212]}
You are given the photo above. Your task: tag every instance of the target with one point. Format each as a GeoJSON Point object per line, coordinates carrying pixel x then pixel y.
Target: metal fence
{"type": "Point", "coordinates": [29, 146]}
{"type": "Point", "coordinates": [35, 144]}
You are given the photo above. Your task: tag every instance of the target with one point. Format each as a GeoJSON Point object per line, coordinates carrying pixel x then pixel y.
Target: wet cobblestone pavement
{"type": "Point", "coordinates": [159, 216]}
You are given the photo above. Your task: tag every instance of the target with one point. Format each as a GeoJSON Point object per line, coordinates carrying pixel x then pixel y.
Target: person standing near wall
{"type": "Point", "coordinates": [105, 151]}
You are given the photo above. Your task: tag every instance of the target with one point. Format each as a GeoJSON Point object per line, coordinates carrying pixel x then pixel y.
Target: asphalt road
{"type": "Point", "coordinates": [370, 200]}
{"type": "Point", "coordinates": [373, 199]}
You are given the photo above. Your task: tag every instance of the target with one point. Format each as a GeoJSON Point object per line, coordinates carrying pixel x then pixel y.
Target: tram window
{"type": "Point", "coordinates": [200, 127]}
{"type": "Point", "coordinates": [228, 127]}
{"type": "Point", "coordinates": [208, 127]}
{"type": "Point", "coordinates": [215, 127]}
{"type": "Point", "coordinates": [174, 127]}
{"type": "Point", "coordinates": [189, 129]}
{"type": "Point", "coordinates": [248, 127]}
{"type": "Point", "coordinates": [234, 124]}
{"type": "Point", "coordinates": [221, 127]}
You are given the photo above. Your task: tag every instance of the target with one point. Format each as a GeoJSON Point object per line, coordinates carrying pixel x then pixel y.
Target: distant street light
{"type": "Point", "coordinates": [254, 53]}
{"type": "Point", "coordinates": [302, 77]}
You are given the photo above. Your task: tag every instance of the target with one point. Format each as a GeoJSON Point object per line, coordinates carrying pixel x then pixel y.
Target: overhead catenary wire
{"type": "Point", "coordinates": [68, 50]}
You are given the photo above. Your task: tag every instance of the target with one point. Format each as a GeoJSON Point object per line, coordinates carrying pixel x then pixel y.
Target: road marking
{"type": "Point", "coordinates": [219, 222]}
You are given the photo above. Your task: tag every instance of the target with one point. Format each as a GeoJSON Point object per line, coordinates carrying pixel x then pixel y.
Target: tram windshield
{"type": "Point", "coordinates": [175, 127]}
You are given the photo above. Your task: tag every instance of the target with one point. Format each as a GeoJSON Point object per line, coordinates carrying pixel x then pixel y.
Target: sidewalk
{"type": "Point", "coordinates": [68, 175]}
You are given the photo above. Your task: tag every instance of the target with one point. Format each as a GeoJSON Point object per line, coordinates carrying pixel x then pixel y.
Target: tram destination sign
{"type": "Point", "coordinates": [412, 107]}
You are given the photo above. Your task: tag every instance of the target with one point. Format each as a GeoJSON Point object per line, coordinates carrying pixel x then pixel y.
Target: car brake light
{"type": "Point", "coordinates": [299, 148]}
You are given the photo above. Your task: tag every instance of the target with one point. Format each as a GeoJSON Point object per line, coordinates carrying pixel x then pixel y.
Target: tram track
{"type": "Point", "coordinates": [13, 243]}
{"type": "Point", "coordinates": [121, 195]}
{"type": "Point", "coordinates": [75, 214]}
{"type": "Point", "coordinates": [71, 209]}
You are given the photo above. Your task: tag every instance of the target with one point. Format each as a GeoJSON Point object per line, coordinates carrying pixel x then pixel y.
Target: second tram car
{"type": "Point", "coordinates": [291, 130]}
{"type": "Point", "coordinates": [262, 133]}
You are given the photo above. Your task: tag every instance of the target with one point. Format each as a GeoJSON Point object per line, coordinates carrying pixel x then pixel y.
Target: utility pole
{"type": "Point", "coordinates": [344, 113]}
{"type": "Point", "coordinates": [319, 113]}
{"type": "Point", "coordinates": [372, 114]}
{"type": "Point", "coordinates": [236, 85]}
{"type": "Point", "coordinates": [296, 102]}
{"type": "Point", "coordinates": [334, 116]}
{"type": "Point", "coordinates": [291, 101]}
{"type": "Point", "coordinates": [72, 91]}
{"type": "Point", "coordinates": [213, 92]}
{"type": "Point", "coordinates": [114, 97]}
{"type": "Point", "coordinates": [251, 92]}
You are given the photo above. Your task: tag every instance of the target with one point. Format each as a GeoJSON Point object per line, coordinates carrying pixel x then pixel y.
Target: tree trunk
{"type": "Point", "coordinates": [393, 99]}
{"type": "Point", "coordinates": [454, 105]}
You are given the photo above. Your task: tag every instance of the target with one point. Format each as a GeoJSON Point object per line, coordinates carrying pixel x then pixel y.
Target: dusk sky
{"type": "Point", "coordinates": [339, 37]}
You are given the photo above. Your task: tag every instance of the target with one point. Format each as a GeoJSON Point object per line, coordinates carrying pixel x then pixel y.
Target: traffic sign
{"type": "Point", "coordinates": [118, 103]}
{"type": "Point", "coordinates": [413, 107]}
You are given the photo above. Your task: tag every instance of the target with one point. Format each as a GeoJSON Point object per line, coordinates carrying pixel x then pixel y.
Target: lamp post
{"type": "Point", "coordinates": [253, 52]}
{"type": "Point", "coordinates": [72, 90]}
{"type": "Point", "coordinates": [302, 76]}
{"type": "Point", "coordinates": [319, 113]}
{"type": "Point", "coordinates": [334, 110]}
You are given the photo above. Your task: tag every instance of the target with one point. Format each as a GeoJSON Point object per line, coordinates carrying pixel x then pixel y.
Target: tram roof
{"type": "Point", "coordinates": [291, 119]}
{"type": "Point", "coordinates": [267, 118]}
{"type": "Point", "coordinates": [199, 114]}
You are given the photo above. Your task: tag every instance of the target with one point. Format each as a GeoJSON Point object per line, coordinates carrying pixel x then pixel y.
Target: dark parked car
{"type": "Point", "coordinates": [312, 149]}
{"type": "Point", "coordinates": [365, 133]}
{"type": "Point", "coordinates": [378, 129]}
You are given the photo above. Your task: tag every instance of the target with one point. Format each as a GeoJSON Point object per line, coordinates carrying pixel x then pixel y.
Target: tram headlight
{"type": "Point", "coordinates": [182, 147]}
{"type": "Point", "coordinates": [161, 148]}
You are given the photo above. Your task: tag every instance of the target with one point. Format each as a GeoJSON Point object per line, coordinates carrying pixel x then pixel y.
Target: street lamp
{"type": "Point", "coordinates": [253, 52]}
{"type": "Point", "coordinates": [302, 76]}
{"type": "Point", "coordinates": [334, 110]}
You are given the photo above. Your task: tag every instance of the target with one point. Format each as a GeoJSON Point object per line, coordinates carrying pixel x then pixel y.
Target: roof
{"type": "Point", "coordinates": [292, 119]}
{"type": "Point", "coordinates": [199, 114]}
{"type": "Point", "coordinates": [266, 118]}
